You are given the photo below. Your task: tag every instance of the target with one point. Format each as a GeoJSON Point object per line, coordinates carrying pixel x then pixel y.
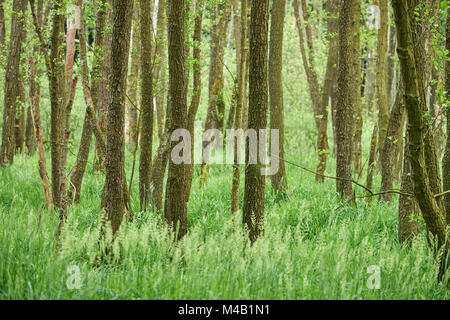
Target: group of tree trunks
{"type": "Point", "coordinates": [259, 61]}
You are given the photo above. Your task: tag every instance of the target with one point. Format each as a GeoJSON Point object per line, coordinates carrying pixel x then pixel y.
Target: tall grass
{"type": "Point", "coordinates": [308, 251]}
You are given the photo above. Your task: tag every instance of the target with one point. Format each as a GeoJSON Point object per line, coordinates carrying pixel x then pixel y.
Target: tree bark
{"type": "Point", "coordinates": [238, 122]}
{"type": "Point", "coordinates": [253, 211]}
{"type": "Point", "coordinates": [114, 158]}
{"type": "Point", "coordinates": [432, 213]}
{"type": "Point", "coordinates": [12, 79]}
{"type": "Point", "coordinates": [279, 179]}
{"type": "Point", "coordinates": [175, 204]}
{"type": "Point", "coordinates": [145, 161]}
{"type": "Point", "coordinates": [197, 90]}
{"type": "Point", "coordinates": [345, 102]}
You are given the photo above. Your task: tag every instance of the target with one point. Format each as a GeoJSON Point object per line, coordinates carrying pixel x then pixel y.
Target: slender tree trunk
{"type": "Point", "coordinates": [114, 164]}
{"type": "Point", "coordinates": [279, 180]}
{"type": "Point", "coordinates": [159, 68]}
{"type": "Point", "coordinates": [446, 158]}
{"type": "Point", "coordinates": [242, 81]}
{"type": "Point", "coordinates": [12, 79]}
{"type": "Point", "coordinates": [381, 82]}
{"type": "Point", "coordinates": [35, 109]}
{"type": "Point", "coordinates": [131, 127]}
{"type": "Point", "coordinates": [175, 204]}
{"type": "Point", "coordinates": [58, 113]}
{"type": "Point", "coordinates": [19, 130]}
{"type": "Point", "coordinates": [345, 99]}
{"type": "Point", "coordinates": [253, 211]}
{"type": "Point", "coordinates": [145, 162]}
{"type": "Point", "coordinates": [356, 91]}
{"type": "Point", "coordinates": [2, 22]}
{"type": "Point", "coordinates": [407, 206]}
{"type": "Point", "coordinates": [393, 138]}
{"type": "Point", "coordinates": [197, 89]}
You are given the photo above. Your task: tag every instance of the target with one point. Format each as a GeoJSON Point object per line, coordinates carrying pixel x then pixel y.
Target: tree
{"type": "Point", "coordinates": [279, 180]}
{"type": "Point", "coordinates": [175, 204]}
{"type": "Point", "coordinates": [348, 19]}
{"type": "Point", "coordinates": [253, 211]}
{"type": "Point", "coordinates": [242, 82]}
{"type": "Point", "coordinates": [145, 162]}
{"type": "Point", "coordinates": [197, 89]}
{"type": "Point", "coordinates": [421, 164]}
{"type": "Point", "coordinates": [114, 158]}
{"type": "Point", "coordinates": [381, 81]}
{"type": "Point", "coordinates": [446, 158]}
{"type": "Point", "coordinates": [12, 78]}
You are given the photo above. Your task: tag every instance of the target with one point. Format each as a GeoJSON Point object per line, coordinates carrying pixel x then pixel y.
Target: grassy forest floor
{"type": "Point", "coordinates": [309, 250]}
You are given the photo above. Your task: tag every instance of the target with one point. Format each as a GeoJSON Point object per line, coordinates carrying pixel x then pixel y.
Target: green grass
{"type": "Point", "coordinates": [309, 250]}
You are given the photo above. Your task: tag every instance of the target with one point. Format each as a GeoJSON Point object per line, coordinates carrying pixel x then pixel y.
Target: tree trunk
{"type": "Point", "coordinates": [131, 127]}
{"type": "Point", "coordinates": [345, 99]}
{"type": "Point", "coordinates": [432, 213]}
{"type": "Point", "coordinates": [159, 72]}
{"type": "Point", "coordinates": [279, 180]}
{"type": "Point", "coordinates": [446, 158]}
{"type": "Point", "coordinates": [253, 211]}
{"type": "Point", "coordinates": [145, 161]}
{"type": "Point", "coordinates": [381, 82]}
{"type": "Point", "coordinates": [12, 79]}
{"type": "Point", "coordinates": [238, 122]}
{"type": "Point", "coordinates": [407, 206]}
{"type": "Point", "coordinates": [197, 89]}
{"type": "Point", "coordinates": [114, 158]}
{"type": "Point", "coordinates": [391, 141]}
{"type": "Point", "coordinates": [175, 204]}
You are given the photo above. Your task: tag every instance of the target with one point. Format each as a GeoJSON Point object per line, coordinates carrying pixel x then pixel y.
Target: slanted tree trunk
{"type": "Point", "coordinates": [114, 158]}
{"type": "Point", "coordinates": [433, 213]}
{"type": "Point", "coordinates": [12, 79]}
{"type": "Point", "coordinates": [145, 161]}
{"type": "Point", "coordinates": [79, 167]}
{"type": "Point", "coordinates": [242, 82]}
{"type": "Point", "coordinates": [35, 109]}
{"type": "Point", "coordinates": [253, 211]}
{"type": "Point", "coordinates": [279, 180]}
{"type": "Point", "coordinates": [175, 204]}
{"type": "Point", "coordinates": [345, 99]}
{"type": "Point", "coordinates": [319, 95]}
